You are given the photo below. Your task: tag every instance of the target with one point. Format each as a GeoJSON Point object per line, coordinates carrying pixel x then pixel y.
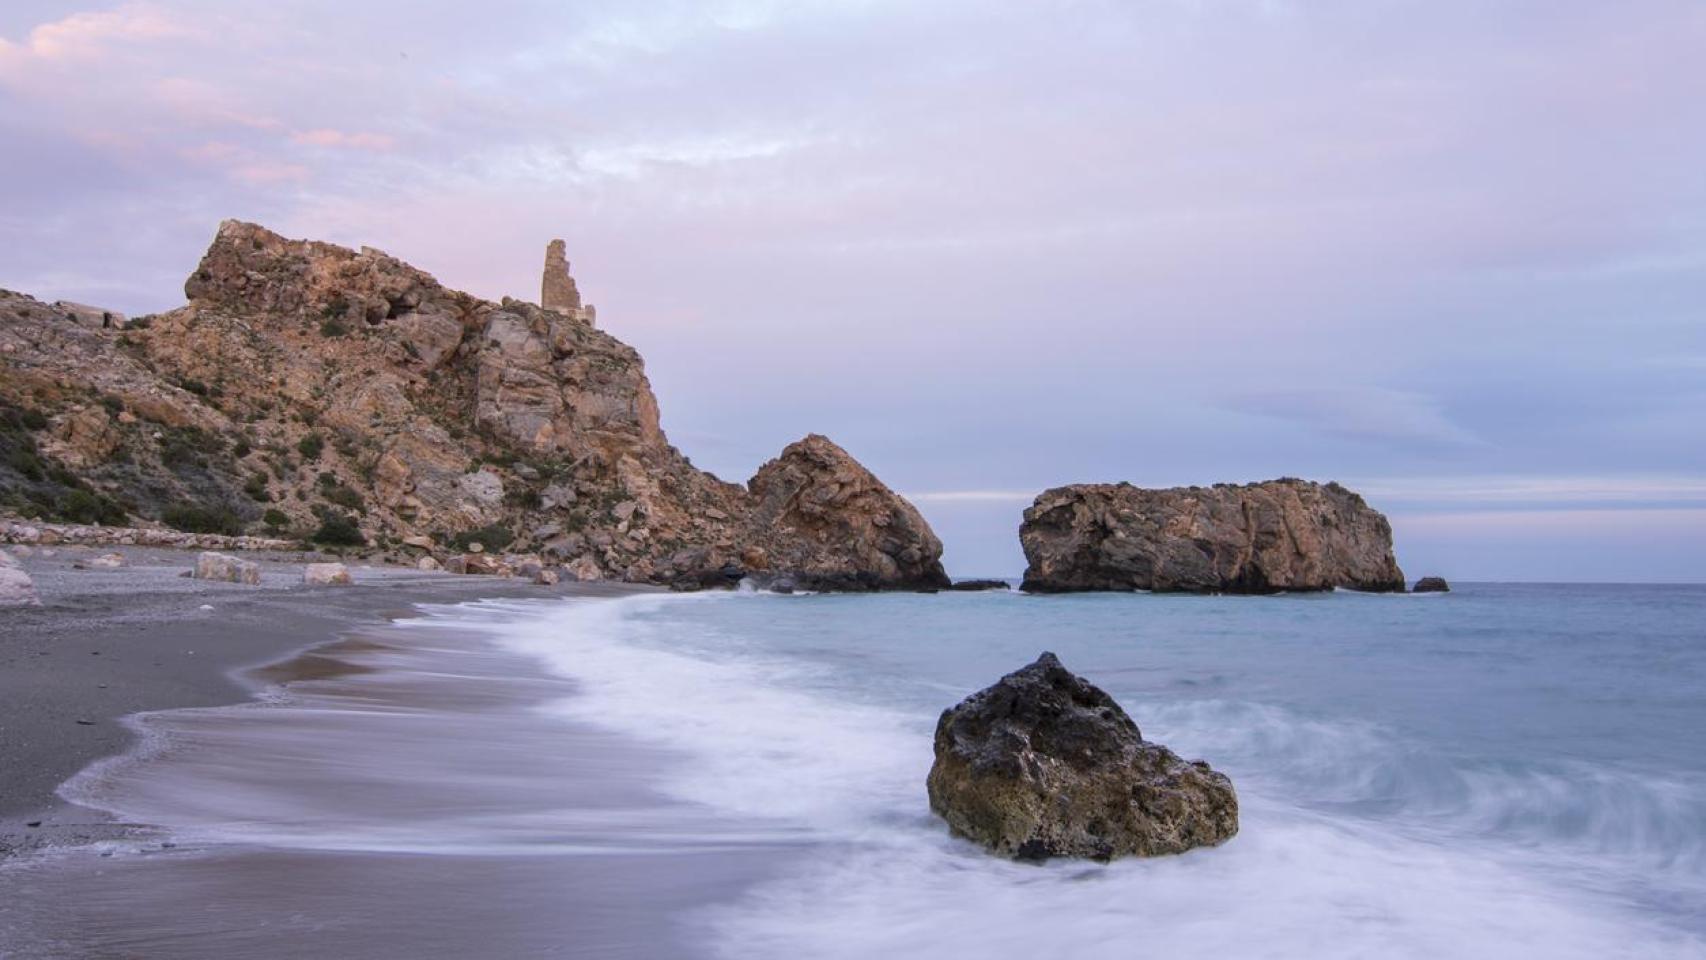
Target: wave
{"type": "Point", "coordinates": [1654, 820]}
{"type": "Point", "coordinates": [1354, 843]}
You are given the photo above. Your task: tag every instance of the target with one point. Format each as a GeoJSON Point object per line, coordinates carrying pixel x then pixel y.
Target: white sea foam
{"type": "Point", "coordinates": [1443, 862]}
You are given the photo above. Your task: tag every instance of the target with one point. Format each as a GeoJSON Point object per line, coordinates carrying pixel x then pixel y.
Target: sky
{"type": "Point", "coordinates": [1451, 254]}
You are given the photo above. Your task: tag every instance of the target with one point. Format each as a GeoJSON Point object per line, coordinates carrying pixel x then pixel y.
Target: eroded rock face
{"type": "Point", "coordinates": [1256, 538]}
{"type": "Point", "coordinates": [305, 378]}
{"type": "Point", "coordinates": [829, 524]}
{"type": "Point", "coordinates": [1432, 585]}
{"type": "Point", "coordinates": [1044, 764]}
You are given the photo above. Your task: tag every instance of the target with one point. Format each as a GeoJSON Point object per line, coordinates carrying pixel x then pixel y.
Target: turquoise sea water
{"type": "Point", "coordinates": [1505, 768]}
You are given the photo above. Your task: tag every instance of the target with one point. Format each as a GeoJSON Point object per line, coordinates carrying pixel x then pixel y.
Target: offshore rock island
{"type": "Point", "coordinates": [312, 391]}
{"type": "Point", "coordinates": [1281, 535]}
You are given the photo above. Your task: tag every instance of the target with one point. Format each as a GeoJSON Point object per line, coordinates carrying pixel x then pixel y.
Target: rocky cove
{"type": "Point", "coordinates": [310, 393]}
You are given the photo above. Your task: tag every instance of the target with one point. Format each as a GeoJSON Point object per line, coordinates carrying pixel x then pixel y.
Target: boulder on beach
{"type": "Point", "coordinates": [108, 561]}
{"type": "Point", "coordinates": [223, 566]}
{"type": "Point", "coordinates": [1281, 535]}
{"type": "Point", "coordinates": [479, 564]}
{"type": "Point", "coordinates": [326, 574]}
{"type": "Point", "coordinates": [16, 587]}
{"type": "Point", "coordinates": [1432, 585]}
{"type": "Point", "coordinates": [1044, 764]}
{"type": "Point", "coordinates": [584, 568]}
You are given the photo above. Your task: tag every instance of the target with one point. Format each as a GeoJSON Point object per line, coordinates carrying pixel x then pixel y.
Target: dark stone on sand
{"type": "Point", "coordinates": [980, 585]}
{"type": "Point", "coordinates": [1432, 585]}
{"type": "Point", "coordinates": [1044, 764]}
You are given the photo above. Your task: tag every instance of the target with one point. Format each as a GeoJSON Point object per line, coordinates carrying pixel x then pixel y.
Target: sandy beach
{"type": "Point", "coordinates": [339, 785]}
{"type": "Point", "coordinates": [107, 643]}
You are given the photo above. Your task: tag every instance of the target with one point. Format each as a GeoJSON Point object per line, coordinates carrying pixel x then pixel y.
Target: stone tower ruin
{"type": "Point", "coordinates": [558, 291]}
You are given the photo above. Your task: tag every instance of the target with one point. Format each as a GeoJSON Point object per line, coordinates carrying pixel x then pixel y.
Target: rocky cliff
{"type": "Point", "coordinates": [1255, 538]}
{"type": "Point", "coordinates": [346, 396]}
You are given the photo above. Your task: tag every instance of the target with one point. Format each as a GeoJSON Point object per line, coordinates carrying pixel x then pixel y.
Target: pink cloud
{"type": "Point", "coordinates": [89, 35]}
{"type": "Point", "coordinates": [265, 172]}
{"type": "Point", "coordinates": [355, 140]}
{"type": "Point", "coordinates": [204, 102]}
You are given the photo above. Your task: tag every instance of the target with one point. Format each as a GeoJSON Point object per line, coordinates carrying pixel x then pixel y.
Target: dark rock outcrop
{"type": "Point", "coordinates": [1044, 764]}
{"type": "Point", "coordinates": [305, 382]}
{"type": "Point", "coordinates": [1281, 535]}
{"type": "Point", "coordinates": [1432, 585]}
{"type": "Point", "coordinates": [973, 585]}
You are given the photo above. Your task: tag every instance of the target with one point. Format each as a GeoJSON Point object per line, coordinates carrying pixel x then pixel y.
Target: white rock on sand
{"type": "Point", "coordinates": [326, 574]}
{"type": "Point", "coordinates": [16, 587]}
{"type": "Point", "coordinates": [223, 566]}
{"type": "Point", "coordinates": [585, 568]}
{"type": "Point", "coordinates": [428, 563]}
{"type": "Point", "coordinates": [108, 561]}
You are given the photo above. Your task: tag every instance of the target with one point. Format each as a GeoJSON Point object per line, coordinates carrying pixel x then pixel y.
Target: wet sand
{"type": "Point", "coordinates": [108, 643]}
{"type": "Point", "coordinates": [403, 795]}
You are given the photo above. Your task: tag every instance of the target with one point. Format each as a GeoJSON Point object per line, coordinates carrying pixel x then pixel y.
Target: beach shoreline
{"type": "Point", "coordinates": [107, 644]}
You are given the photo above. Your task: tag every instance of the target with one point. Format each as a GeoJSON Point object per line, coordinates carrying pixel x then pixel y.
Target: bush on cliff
{"type": "Point", "coordinates": [337, 530]}
{"type": "Point", "coordinates": [492, 538]}
{"type": "Point", "coordinates": [192, 518]}
{"type": "Point", "coordinates": [84, 506]}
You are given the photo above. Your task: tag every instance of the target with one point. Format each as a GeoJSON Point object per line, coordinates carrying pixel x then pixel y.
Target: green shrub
{"type": "Point", "coordinates": [493, 538]}
{"type": "Point", "coordinates": [192, 518]}
{"type": "Point", "coordinates": [256, 487]}
{"type": "Point", "coordinates": [241, 448]}
{"type": "Point", "coordinates": [114, 405]}
{"type": "Point", "coordinates": [23, 459]}
{"type": "Point", "coordinates": [345, 497]}
{"type": "Point", "coordinates": [34, 420]}
{"type": "Point", "coordinates": [84, 506]}
{"type": "Point", "coordinates": [311, 446]}
{"type": "Point", "coordinates": [333, 328]}
{"type": "Point", "coordinates": [275, 519]}
{"type": "Point", "coordinates": [339, 531]}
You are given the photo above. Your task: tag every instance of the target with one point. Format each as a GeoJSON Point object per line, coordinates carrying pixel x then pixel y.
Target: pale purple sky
{"type": "Point", "coordinates": [1450, 253]}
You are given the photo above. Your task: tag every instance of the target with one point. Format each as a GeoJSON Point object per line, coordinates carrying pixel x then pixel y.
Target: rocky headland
{"type": "Point", "coordinates": [315, 393]}
{"type": "Point", "coordinates": [1045, 764]}
{"type": "Point", "coordinates": [1281, 535]}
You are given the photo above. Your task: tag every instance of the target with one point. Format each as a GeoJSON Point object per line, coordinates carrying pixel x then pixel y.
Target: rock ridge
{"type": "Point", "coordinates": [312, 391]}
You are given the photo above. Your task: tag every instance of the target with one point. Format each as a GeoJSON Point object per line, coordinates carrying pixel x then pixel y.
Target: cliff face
{"type": "Point", "coordinates": [305, 381]}
{"type": "Point", "coordinates": [1255, 538]}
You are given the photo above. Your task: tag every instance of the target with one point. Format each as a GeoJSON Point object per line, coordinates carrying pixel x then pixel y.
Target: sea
{"type": "Point", "coordinates": [1503, 770]}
